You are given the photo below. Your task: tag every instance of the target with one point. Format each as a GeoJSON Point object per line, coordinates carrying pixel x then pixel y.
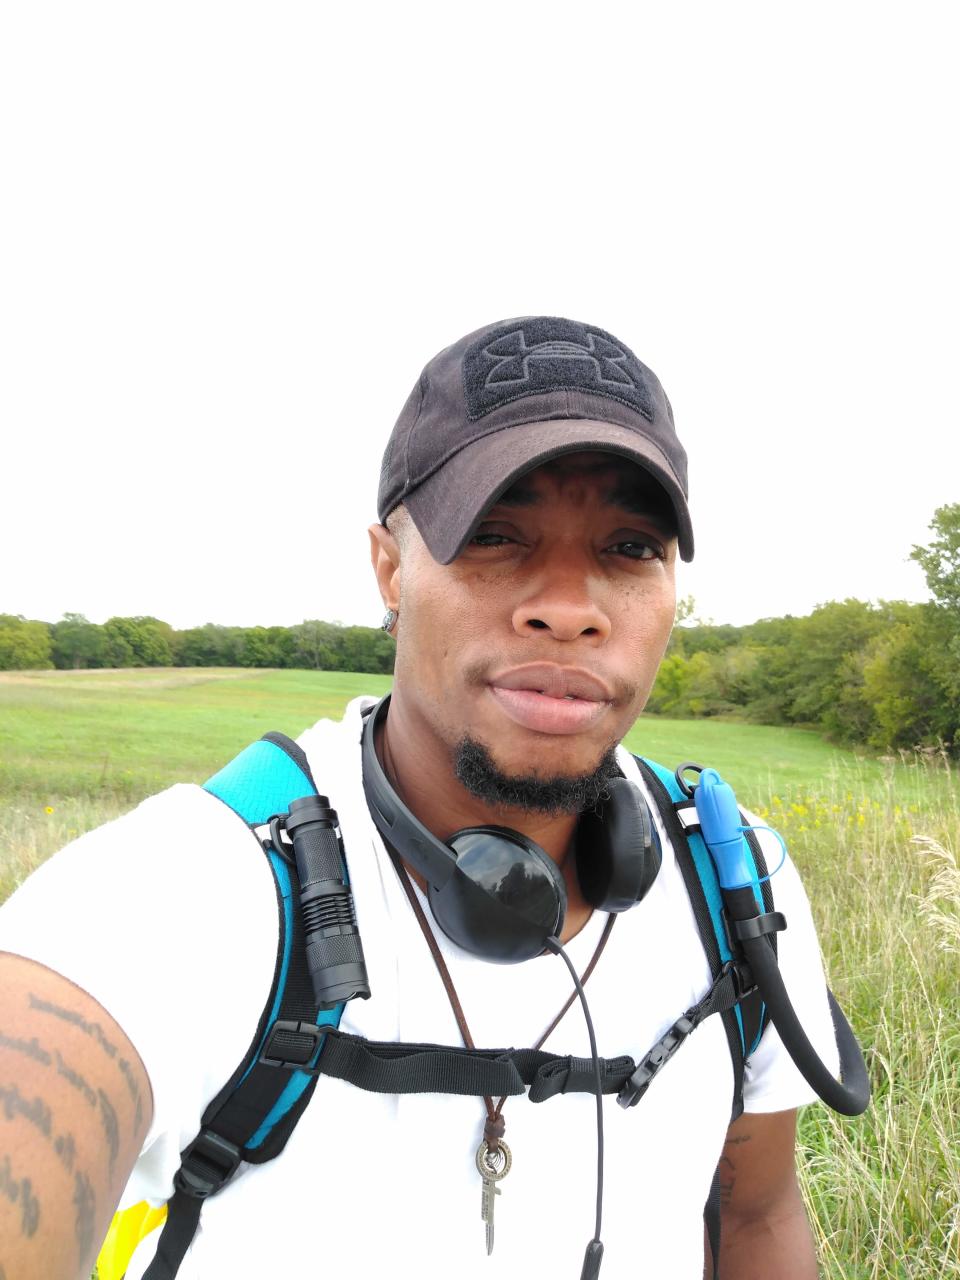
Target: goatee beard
{"type": "Point", "coordinates": [476, 770]}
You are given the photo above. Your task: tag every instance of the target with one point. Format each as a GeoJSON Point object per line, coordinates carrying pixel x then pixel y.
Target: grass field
{"type": "Point", "coordinates": [876, 840]}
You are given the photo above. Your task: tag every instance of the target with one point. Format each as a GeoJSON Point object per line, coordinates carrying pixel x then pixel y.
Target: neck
{"type": "Point", "coordinates": [420, 770]}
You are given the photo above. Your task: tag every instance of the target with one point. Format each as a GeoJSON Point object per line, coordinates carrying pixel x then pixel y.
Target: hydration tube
{"type": "Point", "coordinates": [721, 827]}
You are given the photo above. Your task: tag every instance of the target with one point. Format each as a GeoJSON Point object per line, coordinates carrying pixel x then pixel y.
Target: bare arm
{"type": "Point", "coordinates": [764, 1230]}
{"type": "Point", "coordinates": [75, 1105]}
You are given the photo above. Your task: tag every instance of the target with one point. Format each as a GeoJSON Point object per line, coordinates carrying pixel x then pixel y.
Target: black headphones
{"type": "Point", "coordinates": [494, 891]}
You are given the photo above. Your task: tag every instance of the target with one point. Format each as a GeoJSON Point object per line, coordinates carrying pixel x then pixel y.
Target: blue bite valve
{"type": "Point", "coordinates": [720, 824]}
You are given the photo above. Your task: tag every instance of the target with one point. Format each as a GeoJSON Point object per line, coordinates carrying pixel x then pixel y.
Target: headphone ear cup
{"type": "Point", "coordinates": [505, 898]}
{"type": "Point", "coordinates": [618, 849]}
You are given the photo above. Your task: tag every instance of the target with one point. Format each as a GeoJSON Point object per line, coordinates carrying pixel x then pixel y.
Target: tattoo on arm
{"type": "Point", "coordinates": [20, 1191]}
{"type": "Point", "coordinates": [728, 1168]}
{"type": "Point", "coordinates": [133, 1089]}
{"type": "Point", "coordinates": [31, 1048]}
{"type": "Point", "coordinates": [88, 1028]}
{"type": "Point", "coordinates": [66, 1149]}
{"type": "Point", "coordinates": [96, 1032]}
{"type": "Point", "coordinates": [75, 1078]}
{"type": "Point", "coordinates": [20, 1107]}
{"type": "Point", "coordinates": [37, 1112]}
{"type": "Point", "coordinates": [85, 1203]}
{"type": "Point", "coordinates": [108, 1118]}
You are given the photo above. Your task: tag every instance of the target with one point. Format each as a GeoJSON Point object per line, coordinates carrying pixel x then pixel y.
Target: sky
{"type": "Point", "coordinates": [232, 234]}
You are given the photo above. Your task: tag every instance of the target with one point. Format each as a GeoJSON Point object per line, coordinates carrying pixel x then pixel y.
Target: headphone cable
{"type": "Point", "coordinates": [593, 1255]}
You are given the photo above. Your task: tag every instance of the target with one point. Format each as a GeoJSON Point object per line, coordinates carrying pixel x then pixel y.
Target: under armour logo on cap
{"type": "Point", "coordinates": [531, 357]}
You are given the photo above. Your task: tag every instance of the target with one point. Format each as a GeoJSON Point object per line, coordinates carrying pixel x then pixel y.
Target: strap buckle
{"type": "Point", "coordinates": [313, 1033]}
{"type": "Point", "coordinates": [207, 1164]}
{"type": "Point", "coordinates": [653, 1061]}
{"type": "Point", "coordinates": [742, 975]}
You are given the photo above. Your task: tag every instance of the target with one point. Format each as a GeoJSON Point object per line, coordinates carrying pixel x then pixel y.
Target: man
{"type": "Point", "coordinates": [532, 506]}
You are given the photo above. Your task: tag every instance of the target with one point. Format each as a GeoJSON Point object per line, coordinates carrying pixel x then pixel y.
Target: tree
{"type": "Point", "coordinates": [668, 695]}
{"type": "Point", "coordinates": [208, 646]}
{"type": "Point", "coordinates": [367, 649]}
{"type": "Point", "coordinates": [138, 642]}
{"type": "Point", "coordinates": [78, 643]}
{"type": "Point", "coordinates": [317, 645]}
{"type": "Point", "coordinates": [816, 651]}
{"type": "Point", "coordinates": [267, 647]}
{"type": "Point", "coordinates": [686, 608]}
{"type": "Point", "coordinates": [940, 561]}
{"type": "Point", "coordinates": [24, 646]}
{"type": "Point", "coordinates": [903, 681]}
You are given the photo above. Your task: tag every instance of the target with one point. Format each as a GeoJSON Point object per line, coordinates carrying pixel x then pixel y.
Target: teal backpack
{"type": "Point", "coordinates": [252, 1117]}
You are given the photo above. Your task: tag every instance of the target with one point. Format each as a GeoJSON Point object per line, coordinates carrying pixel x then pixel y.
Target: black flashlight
{"type": "Point", "coordinates": [334, 951]}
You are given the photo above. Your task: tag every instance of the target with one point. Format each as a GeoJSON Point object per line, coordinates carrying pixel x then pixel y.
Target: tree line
{"type": "Point", "coordinates": [75, 643]}
{"type": "Point", "coordinates": [884, 674]}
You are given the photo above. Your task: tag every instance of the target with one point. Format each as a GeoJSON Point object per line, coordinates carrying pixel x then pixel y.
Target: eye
{"type": "Point", "coordinates": [638, 549]}
{"type": "Point", "coordinates": [489, 540]}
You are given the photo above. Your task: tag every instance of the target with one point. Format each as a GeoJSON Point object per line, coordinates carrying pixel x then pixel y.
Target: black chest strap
{"type": "Point", "coordinates": [392, 1067]}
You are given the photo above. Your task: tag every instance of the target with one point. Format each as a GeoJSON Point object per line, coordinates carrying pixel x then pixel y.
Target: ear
{"type": "Point", "coordinates": [385, 558]}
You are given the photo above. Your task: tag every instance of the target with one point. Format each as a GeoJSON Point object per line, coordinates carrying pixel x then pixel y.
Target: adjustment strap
{"type": "Point", "coordinates": [391, 1067]}
{"type": "Point", "coordinates": [728, 989]}
{"type": "Point", "coordinates": [205, 1166]}
{"type": "Point", "coordinates": [575, 1075]}
{"type": "Point", "coordinates": [183, 1217]}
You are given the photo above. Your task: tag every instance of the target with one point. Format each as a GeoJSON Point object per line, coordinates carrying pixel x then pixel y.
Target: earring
{"type": "Point", "coordinates": [389, 620]}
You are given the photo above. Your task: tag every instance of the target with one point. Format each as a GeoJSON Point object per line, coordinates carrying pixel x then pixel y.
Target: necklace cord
{"type": "Point", "coordinates": [495, 1125]}
{"type": "Point", "coordinates": [494, 1128]}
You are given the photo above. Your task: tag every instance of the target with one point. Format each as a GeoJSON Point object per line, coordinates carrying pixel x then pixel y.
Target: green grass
{"type": "Point", "coordinates": [128, 733]}
{"type": "Point", "coordinates": [876, 839]}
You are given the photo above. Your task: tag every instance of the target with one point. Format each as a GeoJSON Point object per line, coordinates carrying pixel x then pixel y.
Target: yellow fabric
{"type": "Point", "coordinates": [126, 1231]}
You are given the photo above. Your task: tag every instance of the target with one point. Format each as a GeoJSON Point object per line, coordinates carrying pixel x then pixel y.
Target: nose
{"type": "Point", "coordinates": [564, 599]}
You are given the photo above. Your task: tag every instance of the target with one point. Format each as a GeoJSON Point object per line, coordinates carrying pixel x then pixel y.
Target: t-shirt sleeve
{"type": "Point", "coordinates": [771, 1081]}
{"type": "Point", "coordinates": [168, 918]}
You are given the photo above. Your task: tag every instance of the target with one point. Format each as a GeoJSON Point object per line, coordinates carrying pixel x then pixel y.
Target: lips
{"type": "Point", "coordinates": [554, 682]}
{"type": "Point", "coordinates": [550, 699]}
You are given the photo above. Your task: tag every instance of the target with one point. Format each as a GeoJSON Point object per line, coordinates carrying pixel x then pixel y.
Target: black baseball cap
{"type": "Point", "coordinates": [506, 399]}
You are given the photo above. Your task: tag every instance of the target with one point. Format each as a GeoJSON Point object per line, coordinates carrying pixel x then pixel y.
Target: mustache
{"type": "Point", "coordinates": [477, 674]}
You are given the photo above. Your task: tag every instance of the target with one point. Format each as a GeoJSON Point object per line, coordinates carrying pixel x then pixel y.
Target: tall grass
{"type": "Point", "coordinates": [883, 1191]}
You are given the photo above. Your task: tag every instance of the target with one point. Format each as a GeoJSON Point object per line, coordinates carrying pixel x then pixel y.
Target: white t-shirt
{"type": "Point", "coordinates": [168, 918]}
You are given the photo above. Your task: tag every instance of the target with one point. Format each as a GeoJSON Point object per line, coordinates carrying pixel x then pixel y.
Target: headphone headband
{"type": "Point", "coordinates": [396, 823]}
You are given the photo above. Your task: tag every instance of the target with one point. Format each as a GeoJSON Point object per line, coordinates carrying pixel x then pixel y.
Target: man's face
{"type": "Point", "coordinates": [542, 639]}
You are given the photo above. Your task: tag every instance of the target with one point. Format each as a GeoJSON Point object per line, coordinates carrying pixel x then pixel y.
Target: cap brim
{"type": "Point", "coordinates": [447, 505]}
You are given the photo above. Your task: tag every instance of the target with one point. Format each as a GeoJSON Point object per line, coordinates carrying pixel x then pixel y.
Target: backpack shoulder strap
{"type": "Point", "coordinates": [745, 1022]}
{"type": "Point", "coordinates": [253, 1115]}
